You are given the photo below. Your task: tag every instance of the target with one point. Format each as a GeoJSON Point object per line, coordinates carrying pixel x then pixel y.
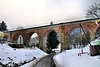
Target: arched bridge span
{"type": "Point", "coordinates": [63, 29]}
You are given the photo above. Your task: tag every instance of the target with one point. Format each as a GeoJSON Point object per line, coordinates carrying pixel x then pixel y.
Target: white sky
{"type": "Point", "coordinates": [37, 12]}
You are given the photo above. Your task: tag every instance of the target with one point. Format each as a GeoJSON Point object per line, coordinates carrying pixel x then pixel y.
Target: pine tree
{"type": "Point", "coordinates": [3, 26]}
{"type": "Point", "coordinates": [52, 40]}
{"type": "Point", "coordinates": [51, 23]}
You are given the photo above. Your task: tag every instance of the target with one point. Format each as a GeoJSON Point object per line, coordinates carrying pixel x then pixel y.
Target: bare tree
{"type": "Point", "coordinates": [93, 11]}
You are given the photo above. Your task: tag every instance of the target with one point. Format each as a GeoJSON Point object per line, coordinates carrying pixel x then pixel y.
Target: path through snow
{"type": "Point", "coordinates": [46, 61]}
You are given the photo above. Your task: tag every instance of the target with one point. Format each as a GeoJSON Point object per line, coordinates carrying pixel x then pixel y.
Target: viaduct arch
{"type": "Point", "coordinates": [63, 29]}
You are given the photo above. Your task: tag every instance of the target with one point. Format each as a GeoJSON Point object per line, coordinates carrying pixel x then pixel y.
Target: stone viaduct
{"type": "Point", "coordinates": [63, 29]}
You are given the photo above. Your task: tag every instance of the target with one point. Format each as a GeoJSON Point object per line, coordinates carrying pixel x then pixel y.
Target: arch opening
{"type": "Point", "coordinates": [32, 40]}
{"type": "Point", "coordinates": [20, 40]}
{"type": "Point", "coordinates": [75, 38]}
{"type": "Point", "coordinates": [52, 40]}
{"type": "Point", "coordinates": [97, 33]}
{"type": "Point", "coordinates": [15, 38]}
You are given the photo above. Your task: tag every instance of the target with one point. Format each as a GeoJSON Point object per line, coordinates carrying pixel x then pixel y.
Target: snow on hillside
{"type": "Point", "coordinates": [10, 56]}
{"type": "Point", "coordinates": [70, 58]}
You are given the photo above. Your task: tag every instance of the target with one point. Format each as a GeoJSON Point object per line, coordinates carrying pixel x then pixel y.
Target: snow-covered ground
{"type": "Point", "coordinates": [11, 56]}
{"type": "Point", "coordinates": [70, 58]}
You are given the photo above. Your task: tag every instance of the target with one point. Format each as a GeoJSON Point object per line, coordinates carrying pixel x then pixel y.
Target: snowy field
{"type": "Point", "coordinates": [70, 58]}
{"type": "Point", "coordinates": [11, 56]}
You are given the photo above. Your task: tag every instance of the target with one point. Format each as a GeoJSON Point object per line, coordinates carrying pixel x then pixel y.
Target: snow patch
{"type": "Point", "coordinates": [58, 49]}
{"type": "Point", "coordinates": [70, 58]}
{"type": "Point", "coordinates": [13, 56]}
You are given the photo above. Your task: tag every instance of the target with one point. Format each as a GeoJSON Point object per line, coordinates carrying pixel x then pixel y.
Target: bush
{"type": "Point", "coordinates": [49, 52]}
{"type": "Point", "coordinates": [16, 45]}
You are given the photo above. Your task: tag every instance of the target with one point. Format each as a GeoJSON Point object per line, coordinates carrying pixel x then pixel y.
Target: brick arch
{"type": "Point", "coordinates": [46, 32]}
{"type": "Point", "coordinates": [29, 34]}
{"type": "Point", "coordinates": [15, 36]}
{"type": "Point", "coordinates": [68, 30]}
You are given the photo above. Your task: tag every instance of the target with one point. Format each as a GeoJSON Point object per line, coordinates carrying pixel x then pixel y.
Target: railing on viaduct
{"type": "Point", "coordinates": [63, 29]}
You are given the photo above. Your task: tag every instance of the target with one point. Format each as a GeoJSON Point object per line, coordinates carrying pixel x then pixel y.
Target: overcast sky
{"type": "Point", "coordinates": [38, 12]}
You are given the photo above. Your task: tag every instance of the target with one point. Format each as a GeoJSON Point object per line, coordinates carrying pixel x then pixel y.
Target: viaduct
{"type": "Point", "coordinates": [63, 29]}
